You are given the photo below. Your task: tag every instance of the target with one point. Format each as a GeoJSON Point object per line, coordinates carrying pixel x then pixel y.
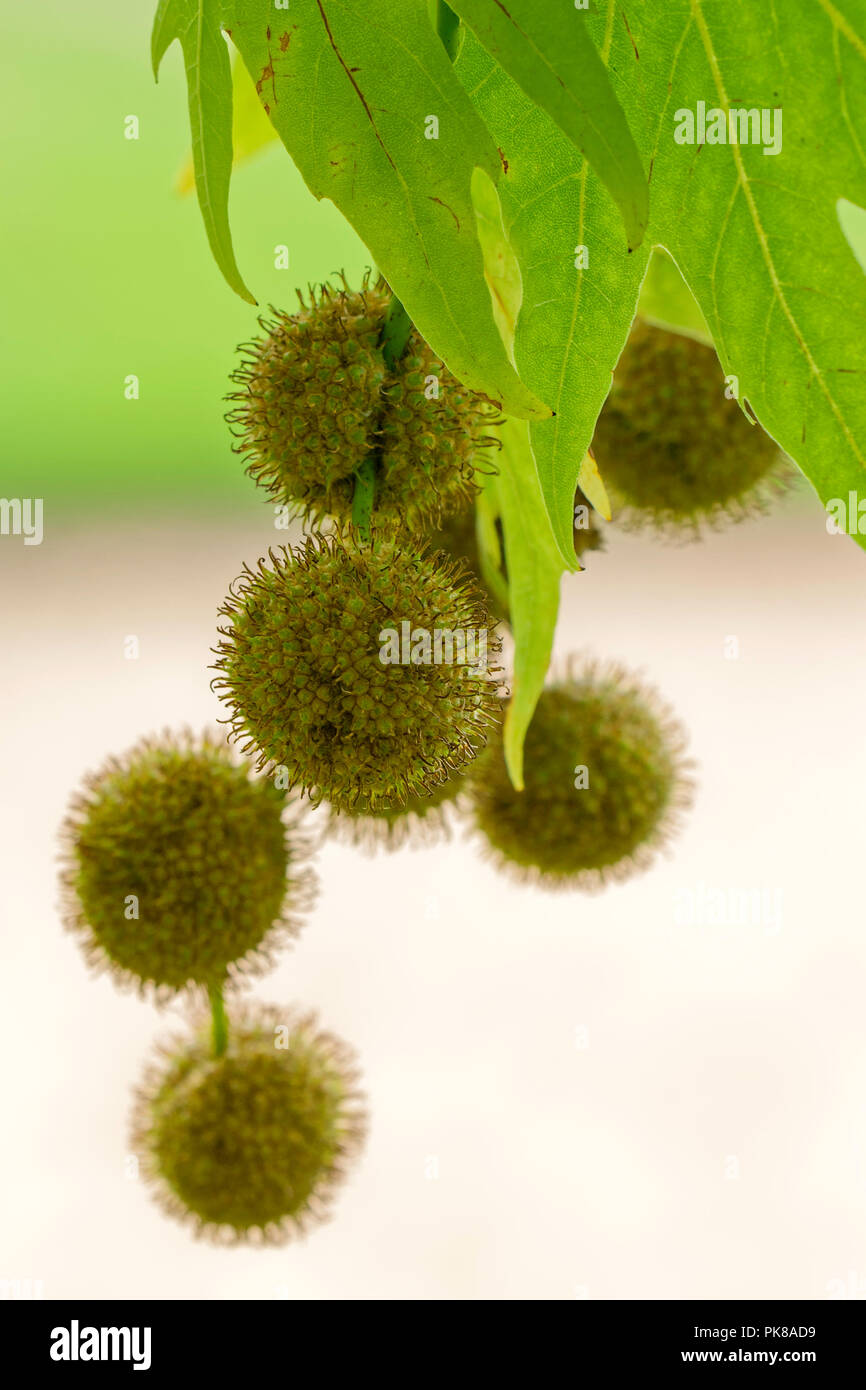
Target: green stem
{"type": "Point", "coordinates": [220, 1021]}
{"type": "Point", "coordinates": [396, 331]}
{"type": "Point", "coordinates": [363, 497]}
{"type": "Point", "coordinates": [397, 328]}
{"type": "Point", "coordinates": [447, 27]}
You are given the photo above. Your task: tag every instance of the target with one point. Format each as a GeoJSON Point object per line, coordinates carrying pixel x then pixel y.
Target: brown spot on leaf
{"type": "Point", "coordinates": [285, 40]}
{"type": "Point", "coordinates": [503, 159]}
{"type": "Point", "coordinates": [631, 36]}
{"type": "Point", "coordinates": [447, 209]}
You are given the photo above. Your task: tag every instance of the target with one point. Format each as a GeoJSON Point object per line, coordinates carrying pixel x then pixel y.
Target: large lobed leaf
{"type": "Point", "coordinates": [757, 237]}
{"type": "Point", "coordinates": [549, 52]}
{"type": "Point", "coordinates": [352, 88]}
{"type": "Point", "coordinates": [574, 319]}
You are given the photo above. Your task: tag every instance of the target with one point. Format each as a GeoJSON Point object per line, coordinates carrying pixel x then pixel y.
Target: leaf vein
{"type": "Point", "coordinates": [785, 307]}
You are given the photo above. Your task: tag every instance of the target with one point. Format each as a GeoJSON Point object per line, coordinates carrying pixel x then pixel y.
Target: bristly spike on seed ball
{"type": "Point", "coordinates": [181, 866]}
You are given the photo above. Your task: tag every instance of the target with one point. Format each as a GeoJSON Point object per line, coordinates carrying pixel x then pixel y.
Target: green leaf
{"type": "Point", "coordinates": [757, 238]}
{"type": "Point", "coordinates": [574, 318]}
{"type": "Point", "coordinates": [534, 575]}
{"type": "Point", "coordinates": [490, 556]}
{"type": "Point", "coordinates": [756, 235]}
{"type": "Point", "coordinates": [513, 496]}
{"type": "Point", "coordinates": [353, 88]}
{"type": "Point", "coordinates": [666, 300]}
{"type": "Point", "coordinates": [549, 52]}
{"type": "Point", "coordinates": [852, 220]}
{"type": "Point", "coordinates": [251, 129]}
{"type": "Point", "coordinates": [197, 24]}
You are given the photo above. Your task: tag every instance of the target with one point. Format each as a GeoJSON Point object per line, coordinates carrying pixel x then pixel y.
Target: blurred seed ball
{"type": "Point", "coordinates": [250, 1145]}
{"type": "Point", "coordinates": [315, 398]}
{"type": "Point", "coordinates": [588, 535]}
{"type": "Point", "coordinates": [422, 820]}
{"type": "Point", "coordinates": [457, 536]}
{"type": "Point", "coordinates": [330, 668]}
{"type": "Point", "coordinates": [674, 452]}
{"type": "Point", "coordinates": [605, 783]}
{"type": "Point", "coordinates": [180, 865]}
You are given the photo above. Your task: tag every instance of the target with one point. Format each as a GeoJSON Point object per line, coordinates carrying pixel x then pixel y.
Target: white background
{"type": "Point", "coordinates": [601, 1171]}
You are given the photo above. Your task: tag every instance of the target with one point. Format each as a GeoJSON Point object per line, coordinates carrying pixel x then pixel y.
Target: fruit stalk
{"type": "Point", "coordinates": [398, 326]}
{"type": "Point", "coordinates": [220, 1032]}
{"type": "Point", "coordinates": [396, 331]}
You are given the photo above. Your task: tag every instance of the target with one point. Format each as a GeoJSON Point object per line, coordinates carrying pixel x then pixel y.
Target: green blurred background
{"type": "Point", "coordinates": [108, 272]}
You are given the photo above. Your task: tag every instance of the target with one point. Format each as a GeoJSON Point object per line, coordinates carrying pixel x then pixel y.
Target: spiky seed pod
{"type": "Point", "coordinates": [315, 398]}
{"type": "Point", "coordinates": [423, 820]}
{"type": "Point", "coordinates": [674, 452]}
{"type": "Point", "coordinates": [309, 398]}
{"type": "Point", "coordinates": [605, 783]}
{"type": "Point", "coordinates": [250, 1145]}
{"type": "Point", "coordinates": [432, 442]}
{"type": "Point", "coordinates": [181, 866]}
{"type": "Point", "coordinates": [322, 681]}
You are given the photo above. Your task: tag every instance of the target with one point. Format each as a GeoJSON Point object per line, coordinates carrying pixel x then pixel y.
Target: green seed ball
{"type": "Point", "coordinates": [420, 820]}
{"type": "Point", "coordinates": [323, 683]}
{"type": "Point", "coordinates": [604, 778]}
{"type": "Point", "coordinates": [432, 443]}
{"type": "Point", "coordinates": [306, 411]}
{"type": "Point", "coordinates": [316, 398]}
{"type": "Point", "coordinates": [250, 1146]}
{"type": "Point", "coordinates": [674, 452]}
{"type": "Point", "coordinates": [180, 864]}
